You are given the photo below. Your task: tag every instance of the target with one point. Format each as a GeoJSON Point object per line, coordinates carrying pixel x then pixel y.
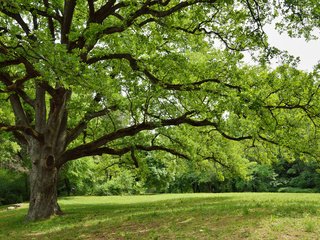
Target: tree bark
{"type": "Point", "coordinates": [43, 195]}
{"type": "Point", "coordinates": [43, 186]}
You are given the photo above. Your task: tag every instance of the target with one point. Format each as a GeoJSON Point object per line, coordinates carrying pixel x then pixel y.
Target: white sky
{"type": "Point", "coordinates": [309, 52]}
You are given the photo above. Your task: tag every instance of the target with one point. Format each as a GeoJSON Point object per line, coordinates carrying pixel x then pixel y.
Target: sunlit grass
{"type": "Point", "coordinates": [174, 216]}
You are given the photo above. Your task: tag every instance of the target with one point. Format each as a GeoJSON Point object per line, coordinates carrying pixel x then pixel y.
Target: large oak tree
{"type": "Point", "coordinates": [90, 77]}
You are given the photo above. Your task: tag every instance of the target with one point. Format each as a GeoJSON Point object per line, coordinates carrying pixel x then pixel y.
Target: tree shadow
{"type": "Point", "coordinates": [170, 217]}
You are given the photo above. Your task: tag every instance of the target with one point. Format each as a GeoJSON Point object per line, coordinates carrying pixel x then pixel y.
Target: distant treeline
{"type": "Point", "coordinates": [283, 176]}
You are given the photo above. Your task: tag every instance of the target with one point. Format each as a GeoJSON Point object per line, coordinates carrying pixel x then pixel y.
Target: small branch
{"type": "Point", "coordinates": [134, 158]}
{"type": "Point", "coordinates": [287, 106]}
{"type": "Point", "coordinates": [214, 159]}
{"type": "Point", "coordinates": [15, 87]}
{"type": "Point", "coordinates": [19, 20]}
{"type": "Point", "coordinates": [162, 148]}
{"type": "Point", "coordinates": [268, 140]}
{"type": "Point", "coordinates": [75, 132]}
{"type": "Point", "coordinates": [50, 21]}
{"type": "Point", "coordinates": [46, 14]}
{"type": "Point", "coordinates": [180, 87]}
{"type": "Point", "coordinates": [133, 62]}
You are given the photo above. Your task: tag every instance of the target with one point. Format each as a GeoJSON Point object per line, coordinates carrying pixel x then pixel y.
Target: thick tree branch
{"type": "Point", "coordinates": [120, 133]}
{"type": "Point", "coordinates": [21, 130]}
{"type": "Point", "coordinates": [20, 115]}
{"type": "Point", "coordinates": [25, 97]}
{"type": "Point", "coordinates": [31, 71]}
{"type": "Point", "coordinates": [91, 9]}
{"type": "Point", "coordinates": [40, 108]}
{"type": "Point", "coordinates": [186, 86]}
{"type": "Point", "coordinates": [105, 11]}
{"type": "Point", "coordinates": [49, 89]}
{"type": "Point", "coordinates": [69, 6]}
{"type": "Point", "coordinates": [88, 148]}
{"type": "Point", "coordinates": [121, 151]}
{"type": "Point", "coordinates": [11, 62]}
{"type": "Point", "coordinates": [57, 116]}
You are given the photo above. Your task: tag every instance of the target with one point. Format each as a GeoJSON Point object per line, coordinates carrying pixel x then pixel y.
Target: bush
{"type": "Point", "coordinates": [263, 179]}
{"type": "Point", "coordinates": [156, 175]}
{"type": "Point", "coordinates": [297, 190]}
{"type": "Point", "coordinates": [13, 187]}
{"type": "Point", "coordinates": [123, 184]}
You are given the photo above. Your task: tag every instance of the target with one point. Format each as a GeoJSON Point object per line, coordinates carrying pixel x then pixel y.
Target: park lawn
{"type": "Point", "coordinates": [174, 216]}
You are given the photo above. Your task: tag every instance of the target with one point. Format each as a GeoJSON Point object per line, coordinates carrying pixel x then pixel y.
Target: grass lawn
{"type": "Point", "coordinates": [174, 216]}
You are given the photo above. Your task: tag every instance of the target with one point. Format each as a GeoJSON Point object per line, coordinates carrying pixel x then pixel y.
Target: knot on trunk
{"type": "Point", "coordinates": [50, 161]}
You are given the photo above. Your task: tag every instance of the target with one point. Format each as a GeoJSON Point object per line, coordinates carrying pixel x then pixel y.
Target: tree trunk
{"type": "Point", "coordinates": [43, 182]}
{"type": "Point", "coordinates": [43, 193]}
{"type": "Point", "coordinates": [45, 152]}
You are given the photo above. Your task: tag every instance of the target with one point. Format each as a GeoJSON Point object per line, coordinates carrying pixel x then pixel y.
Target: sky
{"type": "Point", "coordinates": [309, 52]}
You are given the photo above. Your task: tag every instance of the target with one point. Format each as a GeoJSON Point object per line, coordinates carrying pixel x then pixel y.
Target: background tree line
{"type": "Point", "coordinates": [164, 174]}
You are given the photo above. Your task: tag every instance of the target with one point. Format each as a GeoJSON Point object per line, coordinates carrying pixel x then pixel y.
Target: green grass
{"type": "Point", "coordinates": [174, 216]}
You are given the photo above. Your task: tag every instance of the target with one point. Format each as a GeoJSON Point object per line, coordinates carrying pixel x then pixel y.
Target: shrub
{"type": "Point", "coordinates": [13, 187]}
{"type": "Point", "coordinates": [122, 184]}
{"type": "Point", "coordinates": [297, 190]}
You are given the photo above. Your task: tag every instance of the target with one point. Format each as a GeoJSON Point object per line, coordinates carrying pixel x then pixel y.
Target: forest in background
{"type": "Point", "coordinates": [164, 174]}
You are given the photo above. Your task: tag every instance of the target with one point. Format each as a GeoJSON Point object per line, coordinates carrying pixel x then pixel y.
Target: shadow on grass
{"type": "Point", "coordinates": [80, 216]}
{"type": "Point", "coordinates": [187, 218]}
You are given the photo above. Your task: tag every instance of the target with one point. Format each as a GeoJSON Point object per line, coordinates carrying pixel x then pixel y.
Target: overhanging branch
{"type": "Point", "coordinates": [121, 151]}
{"type": "Point", "coordinates": [95, 147]}
{"type": "Point", "coordinates": [22, 130]}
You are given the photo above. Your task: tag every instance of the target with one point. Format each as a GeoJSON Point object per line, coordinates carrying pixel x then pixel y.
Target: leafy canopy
{"type": "Point", "coordinates": [114, 77]}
